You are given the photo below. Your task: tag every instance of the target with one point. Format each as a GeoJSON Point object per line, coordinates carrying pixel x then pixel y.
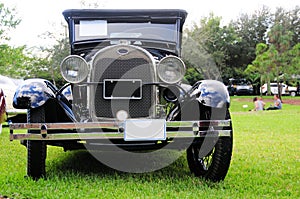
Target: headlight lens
{"type": "Point", "coordinates": [171, 69]}
{"type": "Point", "coordinates": [74, 69]}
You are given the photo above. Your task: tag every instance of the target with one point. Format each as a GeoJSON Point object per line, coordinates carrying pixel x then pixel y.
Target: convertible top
{"type": "Point", "coordinates": [142, 14]}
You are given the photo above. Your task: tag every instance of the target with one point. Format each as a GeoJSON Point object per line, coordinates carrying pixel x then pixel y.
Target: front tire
{"type": "Point", "coordinates": [214, 165]}
{"type": "Point", "coordinates": [36, 150]}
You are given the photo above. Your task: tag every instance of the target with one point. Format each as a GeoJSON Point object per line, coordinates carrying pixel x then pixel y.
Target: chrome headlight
{"type": "Point", "coordinates": [74, 69]}
{"type": "Point", "coordinates": [171, 69]}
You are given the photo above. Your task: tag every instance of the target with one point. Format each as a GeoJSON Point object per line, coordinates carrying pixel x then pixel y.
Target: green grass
{"type": "Point", "coordinates": [265, 164]}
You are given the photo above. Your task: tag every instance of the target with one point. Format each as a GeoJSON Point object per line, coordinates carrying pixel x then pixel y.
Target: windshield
{"type": "Point", "coordinates": [102, 29]}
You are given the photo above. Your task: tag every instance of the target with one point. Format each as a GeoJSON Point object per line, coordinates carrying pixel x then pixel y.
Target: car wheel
{"type": "Point", "coordinates": [36, 150]}
{"type": "Point", "coordinates": [213, 166]}
{"type": "Point", "coordinates": [293, 93]}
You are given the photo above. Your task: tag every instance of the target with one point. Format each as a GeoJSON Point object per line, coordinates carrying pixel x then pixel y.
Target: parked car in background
{"type": "Point", "coordinates": [9, 87]}
{"type": "Point", "coordinates": [239, 87]}
{"type": "Point", "coordinates": [285, 89]}
{"type": "Point", "coordinates": [2, 109]}
{"type": "Point", "coordinates": [126, 75]}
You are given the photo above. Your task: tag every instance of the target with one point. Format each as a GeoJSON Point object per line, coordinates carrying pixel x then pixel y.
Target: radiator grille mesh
{"type": "Point", "coordinates": [136, 64]}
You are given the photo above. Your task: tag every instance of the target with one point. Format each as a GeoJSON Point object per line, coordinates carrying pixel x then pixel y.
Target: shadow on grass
{"type": "Point", "coordinates": [86, 165]}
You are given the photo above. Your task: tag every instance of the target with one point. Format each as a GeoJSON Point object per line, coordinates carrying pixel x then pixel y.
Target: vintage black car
{"type": "Point", "coordinates": [125, 93]}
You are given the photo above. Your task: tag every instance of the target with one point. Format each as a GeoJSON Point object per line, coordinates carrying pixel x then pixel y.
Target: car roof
{"type": "Point", "coordinates": [126, 14]}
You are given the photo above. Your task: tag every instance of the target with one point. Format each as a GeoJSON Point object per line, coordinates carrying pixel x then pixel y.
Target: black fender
{"type": "Point", "coordinates": [211, 93]}
{"type": "Point", "coordinates": [203, 95]}
{"type": "Point", "coordinates": [34, 93]}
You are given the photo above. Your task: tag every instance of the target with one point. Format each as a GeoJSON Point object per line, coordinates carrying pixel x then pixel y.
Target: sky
{"type": "Point", "coordinates": [40, 16]}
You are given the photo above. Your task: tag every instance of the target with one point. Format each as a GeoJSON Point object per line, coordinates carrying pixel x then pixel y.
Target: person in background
{"type": "Point", "coordinates": [258, 104]}
{"type": "Point", "coordinates": [277, 104]}
{"type": "Point", "coordinates": [263, 103]}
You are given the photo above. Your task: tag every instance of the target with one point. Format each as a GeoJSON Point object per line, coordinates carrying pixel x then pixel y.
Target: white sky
{"type": "Point", "coordinates": [39, 16]}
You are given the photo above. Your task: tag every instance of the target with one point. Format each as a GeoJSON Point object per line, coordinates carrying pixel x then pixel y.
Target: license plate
{"type": "Point", "coordinates": [122, 89]}
{"type": "Point", "coordinates": [143, 130]}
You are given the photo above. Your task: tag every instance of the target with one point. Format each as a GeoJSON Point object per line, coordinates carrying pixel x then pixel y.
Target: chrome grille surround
{"type": "Point", "coordinates": [122, 62]}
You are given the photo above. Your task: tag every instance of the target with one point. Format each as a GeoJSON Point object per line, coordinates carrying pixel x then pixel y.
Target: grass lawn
{"type": "Point", "coordinates": [265, 164]}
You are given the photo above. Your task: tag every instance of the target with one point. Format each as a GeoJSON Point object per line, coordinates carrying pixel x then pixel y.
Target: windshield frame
{"type": "Point", "coordinates": [85, 30]}
{"type": "Point", "coordinates": [159, 16]}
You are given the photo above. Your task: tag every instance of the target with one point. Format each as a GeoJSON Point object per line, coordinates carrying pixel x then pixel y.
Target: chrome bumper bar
{"type": "Point", "coordinates": [215, 128]}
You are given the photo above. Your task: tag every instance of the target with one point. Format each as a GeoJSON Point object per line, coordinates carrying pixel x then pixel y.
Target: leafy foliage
{"type": "Point", "coordinates": [15, 61]}
{"type": "Point", "coordinates": [214, 41]}
{"type": "Point", "coordinates": [8, 21]}
{"type": "Point", "coordinates": [294, 57]}
{"type": "Point", "coordinates": [251, 30]}
{"type": "Point", "coordinates": [260, 68]}
{"type": "Point", "coordinates": [192, 75]}
{"type": "Point", "coordinates": [278, 59]}
{"type": "Point", "coordinates": [54, 57]}
{"type": "Point", "coordinates": [236, 49]}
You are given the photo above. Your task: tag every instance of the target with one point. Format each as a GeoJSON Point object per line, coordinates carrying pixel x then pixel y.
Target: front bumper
{"type": "Point", "coordinates": [115, 130]}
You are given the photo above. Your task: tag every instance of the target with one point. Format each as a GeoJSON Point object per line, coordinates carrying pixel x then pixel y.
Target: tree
{"type": "Point", "coordinates": [294, 57]}
{"type": "Point", "coordinates": [280, 43]}
{"type": "Point", "coordinates": [290, 22]}
{"type": "Point", "coordinates": [261, 67]}
{"type": "Point", "coordinates": [213, 43]}
{"type": "Point", "coordinates": [251, 30]}
{"type": "Point", "coordinates": [192, 75]}
{"type": "Point", "coordinates": [277, 53]}
{"type": "Point", "coordinates": [57, 54]}
{"type": "Point", "coordinates": [13, 61]}
{"type": "Point", "coordinates": [17, 63]}
{"type": "Point", "coordinates": [8, 21]}
{"type": "Point", "coordinates": [294, 25]}
{"type": "Point", "coordinates": [273, 60]}
{"type": "Point", "coordinates": [54, 56]}
{"type": "Point", "coordinates": [61, 49]}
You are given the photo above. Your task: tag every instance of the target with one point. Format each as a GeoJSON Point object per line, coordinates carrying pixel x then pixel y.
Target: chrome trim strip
{"type": "Point", "coordinates": [116, 124]}
{"type": "Point", "coordinates": [93, 136]}
{"type": "Point", "coordinates": [118, 127]}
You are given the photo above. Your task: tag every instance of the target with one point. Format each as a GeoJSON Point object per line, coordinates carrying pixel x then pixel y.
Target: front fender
{"type": "Point", "coordinates": [33, 93]}
{"type": "Point", "coordinates": [203, 94]}
{"type": "Point", "coordinates": [211, 93]}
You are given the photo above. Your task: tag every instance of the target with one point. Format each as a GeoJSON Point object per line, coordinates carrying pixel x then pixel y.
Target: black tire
{"type": "Point", "coordinates": [36, 150]}
{"type": "Point", "coordinates": [213, 166]}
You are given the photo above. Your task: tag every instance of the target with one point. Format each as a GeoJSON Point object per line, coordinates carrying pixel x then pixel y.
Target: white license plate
{"type": "Point", "coordinates": [143, 130]}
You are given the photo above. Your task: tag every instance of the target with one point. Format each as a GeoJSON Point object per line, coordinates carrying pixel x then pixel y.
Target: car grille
{"type": "Point", "coordinates": [123, 62]}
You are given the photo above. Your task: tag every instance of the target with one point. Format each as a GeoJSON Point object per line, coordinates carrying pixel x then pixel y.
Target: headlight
{"type": "Point", "coordinates": [74, 69]}
{"type": "Point", "coordinates": [171, 69]}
